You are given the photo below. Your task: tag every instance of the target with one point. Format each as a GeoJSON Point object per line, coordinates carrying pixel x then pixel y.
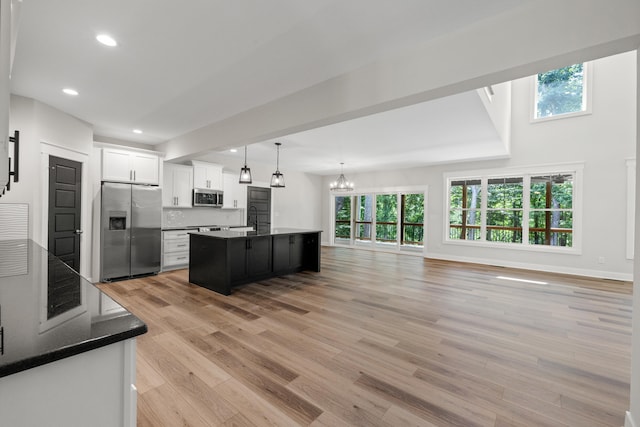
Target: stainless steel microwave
{"type": "Point", "coordinates": [206, 197]}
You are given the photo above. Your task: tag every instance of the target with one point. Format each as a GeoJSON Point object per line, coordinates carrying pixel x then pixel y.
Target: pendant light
{"type": "Point", "coordinates": [277, 179]}
{"type": "Point", "coordinates": [341, 185]}
{"type": "Point", "coordinates": [245, 172]}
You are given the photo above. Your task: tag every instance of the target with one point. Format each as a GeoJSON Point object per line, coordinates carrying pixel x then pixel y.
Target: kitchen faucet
{"type": "Point", "coordinates": [256, 209]}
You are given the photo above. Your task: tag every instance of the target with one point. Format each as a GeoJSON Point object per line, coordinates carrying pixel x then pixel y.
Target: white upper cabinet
{"type": "Point", "coordinates": [177, 186]}
{"type": "Point", "coordinates": [207, 175]}
{"type": "Point", "coordinates": [130, 166]}
{"type": "Point", "coordinates": [235, 194]}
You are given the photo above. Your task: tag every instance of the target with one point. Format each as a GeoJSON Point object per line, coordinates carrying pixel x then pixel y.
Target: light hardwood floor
{"type": "Point", "coordinates": [380, 339]}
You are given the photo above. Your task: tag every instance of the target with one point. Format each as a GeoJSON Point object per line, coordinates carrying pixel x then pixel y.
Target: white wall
{"type": "Point", "coordinates": [45, 130]}
{"type": "Point", "coordinates": [602, 140]}
{"type": "Point", "coordinates": [633, 415]}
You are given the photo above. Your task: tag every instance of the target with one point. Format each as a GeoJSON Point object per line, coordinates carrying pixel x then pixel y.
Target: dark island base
{"type": "Point", "coordinates": [220, 264]}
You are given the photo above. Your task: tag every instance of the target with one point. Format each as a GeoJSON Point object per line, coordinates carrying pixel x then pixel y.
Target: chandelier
{"type": "Point", "coordinates": [341, 184]}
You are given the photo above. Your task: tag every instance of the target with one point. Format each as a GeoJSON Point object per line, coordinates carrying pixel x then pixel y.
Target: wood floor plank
{"type": "Point", "coordinates": [383, 339]}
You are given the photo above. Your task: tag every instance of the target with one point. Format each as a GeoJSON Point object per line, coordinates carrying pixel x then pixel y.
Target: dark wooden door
{"type": "Point", "coordinates": [259, 208]}
{"type": "Point", "coordinates": [64, 210]}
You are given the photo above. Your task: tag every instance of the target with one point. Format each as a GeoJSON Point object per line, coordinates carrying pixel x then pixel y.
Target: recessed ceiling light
{"type": "Point", "coordinates": [137, 131]}
{"type": "Point", "coordinates": [106, 40]}
{"type": "Point", "coordinates": [70, 91]}
{"type": "Point", "coordinates": [234, 150]}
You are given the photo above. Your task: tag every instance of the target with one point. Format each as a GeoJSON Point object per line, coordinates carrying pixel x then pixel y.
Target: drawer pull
{"type": "Point", "coordinates": [182, 257]}
{"type": "Point", "coordinates": [181, 246]}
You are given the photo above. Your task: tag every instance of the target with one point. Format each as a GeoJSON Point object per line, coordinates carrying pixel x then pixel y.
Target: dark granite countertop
{"type": "Point", "coordinates": [48, 312]}
{"type": "Point", "coordinates": [230, 234]}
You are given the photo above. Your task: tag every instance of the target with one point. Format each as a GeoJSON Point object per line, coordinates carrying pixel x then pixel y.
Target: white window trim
{"type": "Point", "coordinates": [587, 78]}
{"type": "Point", "coordinates": [576, 168]}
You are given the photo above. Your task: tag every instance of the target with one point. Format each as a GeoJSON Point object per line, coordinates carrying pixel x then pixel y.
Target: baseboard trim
{"type": "Point", "coordinates": [539, 267]}
{"type": "Point", "coordinates": [628, 420]}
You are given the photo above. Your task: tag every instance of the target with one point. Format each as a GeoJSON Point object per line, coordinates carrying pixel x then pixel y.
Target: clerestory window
{"type": "Point", "coordinates": [561, 92]}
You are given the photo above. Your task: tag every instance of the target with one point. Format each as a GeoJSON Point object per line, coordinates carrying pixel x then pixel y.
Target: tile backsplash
{"type": "Point", "coordinates": [202, 216]}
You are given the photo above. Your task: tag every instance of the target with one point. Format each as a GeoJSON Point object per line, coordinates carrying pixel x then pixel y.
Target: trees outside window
{"type": "Point", "coordinates": [412, 214]}
{"type": "Point", "coordinates": [364, 217]}
{"type": "Point", "coordinates": [388, 219]}
{"type": "Point", "coordinates": [504, 210]}
{"type": "Point", "coordinates": [531, 209]}
{"type": "Point", "coordinates": [465, 197]}
{"type": "Point", "coordinates": [551, 215]}
{"type": "Point", "coordinates": [561, 91]}
{"type": "Point", "coordinates": [343, 218]}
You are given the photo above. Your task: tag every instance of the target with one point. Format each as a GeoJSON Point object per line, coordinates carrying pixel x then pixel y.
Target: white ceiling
{"type": "Point", "coordinates": [181, 65]}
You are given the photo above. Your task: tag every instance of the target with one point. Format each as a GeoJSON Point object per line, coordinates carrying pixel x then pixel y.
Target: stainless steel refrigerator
{"type": "Point", "coordinates": [130, 232]}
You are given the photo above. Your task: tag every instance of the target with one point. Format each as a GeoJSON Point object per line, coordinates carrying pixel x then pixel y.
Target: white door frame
{"type": "Point", "coordinates": [46, 150]}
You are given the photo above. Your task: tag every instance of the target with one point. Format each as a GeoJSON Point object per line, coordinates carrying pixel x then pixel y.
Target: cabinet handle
{"type": "Point", "coordinates": [182, 257]}
{"type": "Point", "coordinates": [130, 175]}
{"type": "Point", "coordinates": [1, 340]}
{"type": "Point", "coordinates": [181, 246]}
{"type": "Point", "coordinates": [134, 175]}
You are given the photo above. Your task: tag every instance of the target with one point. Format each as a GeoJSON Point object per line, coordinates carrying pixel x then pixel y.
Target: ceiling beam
{"type": "Point", "coordinates": [535, 37]}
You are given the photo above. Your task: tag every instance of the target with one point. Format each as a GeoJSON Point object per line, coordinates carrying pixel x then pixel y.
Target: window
{"type": "Point", "coordinates": [364, 217]}
{"type": "Point", "coordinates": [533, 209]}
{"type": "Point", "coordinates": [343, 218]}
{"type": "Point", "coordinates": [464, 214]}
{"type": "Point", "coordinates": [551, 214]}
{"type": "Point", "coordinates": [560, 92]}
{"type": "Point", "coordinates": [387, 220]}
{"type": "Point", "coordinates": [504, 210]}
{"type": "Point", "coordinates": [412, 214]}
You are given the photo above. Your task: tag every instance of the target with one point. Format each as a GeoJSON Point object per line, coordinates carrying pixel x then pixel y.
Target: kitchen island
{"type": "Point", "coordinates": [67, 350]}
{"type": "Point", "coordinates": [220, 260]}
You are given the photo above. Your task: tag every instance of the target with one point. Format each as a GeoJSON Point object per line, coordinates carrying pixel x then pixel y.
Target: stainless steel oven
{"type": "Point", "coordinates": [206, 197]}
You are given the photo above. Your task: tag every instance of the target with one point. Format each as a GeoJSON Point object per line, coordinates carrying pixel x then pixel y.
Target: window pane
{"type": "Point", "coordinates": [474, 217]}
{"type": "Point", "coordinates": [365, 207]}
{"type": "Point", "coordinates": [413, 219]}
{"type": "Point", "coordinates": [413, 235]}
{"type": "Point", "coordinates": [343, 217]}
{"type": "Point", "coordinates": [455, 216]}
{"type": "Point", "coordinates": [504, 235]}
{"type": "Point", "coordinates": [560, 91]}
{"type": "Point", "coordinates": [504, 218]}
{"type": "Point", "coordinates": [552, 191]}
{"type": "Point", "coordinates": [457, 232]}
{"type": "Point", "coordinates": [555, 219]}
{"type": "Point", "coordinates": [414, 208]}
{"type": "Point", "coordinates": [504, 193]}
{"type": "Point", "coordinates": [504, 226]}
{"type": "Point", "coordinates": [386, 208]}
{"type": "Point", "coordinates": [387, 218]}
{"type": "Point", "coordinates": [562, 192]}
{"type": "Point", "coordinates": [455, 196]}
{"type": "Point", "coordinates": [555, 238]}
{"type": "Point", "coordinates": [473, 196]}
{"type": "Point", "coordinates": [363, 232]}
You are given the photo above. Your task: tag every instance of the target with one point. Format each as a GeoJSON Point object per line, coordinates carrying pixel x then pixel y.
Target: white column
{"type": "Point", "coordinates": [633, 415]}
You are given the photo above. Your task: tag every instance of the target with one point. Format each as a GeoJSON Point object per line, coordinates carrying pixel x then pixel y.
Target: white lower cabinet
{"type": "Point", "coordinates": [95, 388]}
{"type": "Point", "coordinates": [175, 249]}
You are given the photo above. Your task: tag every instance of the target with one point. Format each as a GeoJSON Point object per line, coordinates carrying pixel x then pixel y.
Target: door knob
{"type": "Point", "coordinates": [78, 231]}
